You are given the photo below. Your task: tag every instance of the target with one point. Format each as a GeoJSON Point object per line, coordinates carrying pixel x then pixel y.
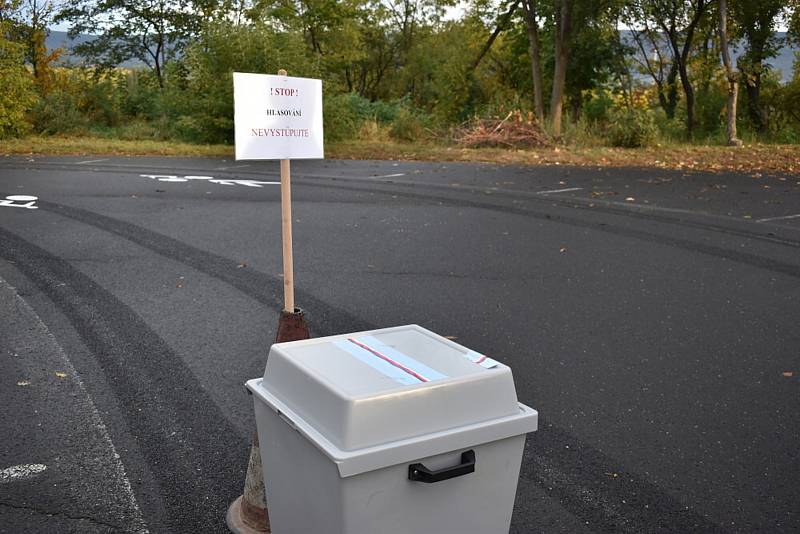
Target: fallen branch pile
{"type": "Point", "coordinates": [512, 132]}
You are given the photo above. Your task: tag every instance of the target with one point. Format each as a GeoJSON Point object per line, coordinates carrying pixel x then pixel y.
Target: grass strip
{"type": "Point", "coordinates": [752, 159]}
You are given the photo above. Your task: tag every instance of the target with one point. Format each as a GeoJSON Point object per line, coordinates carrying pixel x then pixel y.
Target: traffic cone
{"type": "Point", "coordinates": [248, 514]}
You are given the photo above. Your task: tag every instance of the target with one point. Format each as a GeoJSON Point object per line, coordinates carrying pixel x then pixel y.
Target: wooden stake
{"type": "Point", "coordinates": [286, 224]}
{"type": "Point", "coordinates": [286, 230]}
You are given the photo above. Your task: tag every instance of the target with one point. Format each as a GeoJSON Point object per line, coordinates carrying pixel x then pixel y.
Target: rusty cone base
{"type": "Point", "coordinates": [248, 513]}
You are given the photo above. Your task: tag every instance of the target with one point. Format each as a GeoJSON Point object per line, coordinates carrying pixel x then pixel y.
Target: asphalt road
{"type": "Point", "coordinates": [650, 316]}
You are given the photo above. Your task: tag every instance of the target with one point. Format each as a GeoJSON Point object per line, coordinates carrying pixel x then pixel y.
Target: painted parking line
{"type": "Point", "coordinates": [231, 167]}
{"type": "Point", "coordinates": [20, 472]}
{"type": "Point", "coordinates": [90, 161]}
{"type": "Point", "coordinates": [559, 190]}
{"type": "Point", "coordinates": [174, 178]}
{"type": "Point", "coordinates": [783, 218]}
{"type": "Point", "coordinates": [391, 175]}
{"type": "Point", "coordinates": [20, 201]}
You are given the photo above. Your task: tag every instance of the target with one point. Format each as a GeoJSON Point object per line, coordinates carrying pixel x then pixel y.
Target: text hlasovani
{"type": "Point", "coordinates": [284, 113]}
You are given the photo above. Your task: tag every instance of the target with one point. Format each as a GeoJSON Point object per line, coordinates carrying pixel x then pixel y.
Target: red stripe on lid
{"type": "Point", "coordinates": [389, 360]}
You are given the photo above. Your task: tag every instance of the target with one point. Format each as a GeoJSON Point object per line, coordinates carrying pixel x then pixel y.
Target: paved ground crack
{"type": "Point", "coordinates": [115, 528]}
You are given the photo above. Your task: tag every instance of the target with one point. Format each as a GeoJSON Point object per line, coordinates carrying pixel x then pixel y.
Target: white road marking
{"type": "Point", "coordinates": [118, 469]}
{"type": "Point", "coordinates": [232, 167]}
{"type": "Point", "coordinates": [248, 183]}
{"type": "Point", "coordinates": [171, 179]}
{"type": "Point", "coordinates": [17, 472]}
{"type": "Point", "coordinates": [210, 179]}
{"type": "Point", "coordinates": [91, 161]}
{"type": "Point", "coordinates": [391, 175]}
{"type": "Point", "coordinates": [20, 201]}
{"type": "Point", "coordinates": [559, 190]}
{"type": "Point", "coordinates": [795, 216]}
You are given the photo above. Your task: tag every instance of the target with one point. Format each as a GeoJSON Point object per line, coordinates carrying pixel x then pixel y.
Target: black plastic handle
{"type": "Point", "coordinates": [420, 473]}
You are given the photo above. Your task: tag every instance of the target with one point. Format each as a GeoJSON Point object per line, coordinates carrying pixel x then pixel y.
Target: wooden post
{"type": "Point", "coordinates": [286, 230]}
{"type": "Point", "coordinates": [286, 224]}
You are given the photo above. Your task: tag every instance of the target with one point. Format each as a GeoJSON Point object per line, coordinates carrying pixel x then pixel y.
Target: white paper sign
{"type": "Point", "coordinates": [277, 117]}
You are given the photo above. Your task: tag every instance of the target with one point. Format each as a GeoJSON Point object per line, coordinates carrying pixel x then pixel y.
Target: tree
{"type": "Point", "coordinates": [35, 17]}
{"type": "Point", "coordinates": [757, 23]}
{"type": "Point", "coordinates": [367, 71]}
{"type": "Point", "coordinates": [17, 95]}
{"type": "Point", "coordinates": [730, 75]}
{"type": "Point", "coordinates": [152, 31]}
{"type": "Point", "coordinates": [678, 19]}
{"type": "Point", "coordinates": [653, 56]}
{"type": "Point", "coordinates": [531, 9]}
{"type": "Point", "coordinates": [563, 30]}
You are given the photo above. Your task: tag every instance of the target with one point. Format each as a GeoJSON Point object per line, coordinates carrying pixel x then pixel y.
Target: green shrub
{"type": "Point", "coordinates": [407, 126]}
{"type": "Point", "coordinates": [673, 129]}
{"type": "Point", "coordinates": [359, 107]}
{"type": "Point", "coordinates": [101, 100]}
{"type": "Point", "coordinates": [350, 115]}
{"type": "Point", "coordinates": [597, 105]}
{"type": "Point", "coordinates": [781, 102]}
{"type": "Point", "coordinates": [372, 130]}
{"type": "Point", "coordinates": [340, 122]}
{"type": "Point", "coordinates": [631, 128]}
{"type": "Point", "coordinates": [709, 110]}
{"type": "Point", "coordinates": [583, 132]}
{"type": "Point", "coordinates": [385, 112]}
{"type": "Point", "coordinates": [58, 113]}
{"type": "Point", "coordinates": [141, 96]}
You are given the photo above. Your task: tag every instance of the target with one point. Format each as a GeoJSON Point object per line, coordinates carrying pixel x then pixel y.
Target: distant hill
{"type": "Point", "coordinates": [783, 62]}
{"type": "Point", "coordinates": [59, 39]}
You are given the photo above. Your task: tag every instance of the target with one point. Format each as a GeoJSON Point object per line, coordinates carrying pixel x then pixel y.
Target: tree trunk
{"type": "Point", "coordinates": [563, 27]}
{"type": "Point", "coordinates": [733, 86]}
{"type": "Point", "coordinates": [672, 92]}
{"type": "Point", "coordinates": [349, 79]}
{"type": "Point", "coordinates": [688, 92]}
{"type": "Point", "coordinates": [753, 86]}
{"type": "Point", "coordinates": [159, 70]}
{"type": "Point", "coordinates": [529, 6]}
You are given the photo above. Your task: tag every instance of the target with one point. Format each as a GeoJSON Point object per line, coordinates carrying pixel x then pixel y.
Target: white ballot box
{"type": "Point", "coordinates": [390, 431]}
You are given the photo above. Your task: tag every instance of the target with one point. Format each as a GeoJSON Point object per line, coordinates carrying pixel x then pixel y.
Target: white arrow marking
{"type": "Point", "coordinates": [210, 179]}
{"type": "Point", "coordinates": [17, 472]}
{"type": "Point", "coordinates": [248, 183]}
{"type": "Point", "coordinates": [20, 201]}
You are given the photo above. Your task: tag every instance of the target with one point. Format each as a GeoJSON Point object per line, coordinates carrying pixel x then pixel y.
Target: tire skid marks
{"type": "Point", "coordinates": [596, 489]}
{"type": "Point", "coordinates": [116, 469]}
{"type": "Point", "coordinates": [264, 288]}
{"type": "Point", "coordinates": [643, 235]}
{"type": "Point", "coordinates": [174, 423]}
{"type": "Point", "coordinates": [584, 492]}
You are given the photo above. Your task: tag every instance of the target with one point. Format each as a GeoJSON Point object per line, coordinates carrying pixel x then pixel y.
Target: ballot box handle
{"type": "Point", "coordinates": [419, 473]}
